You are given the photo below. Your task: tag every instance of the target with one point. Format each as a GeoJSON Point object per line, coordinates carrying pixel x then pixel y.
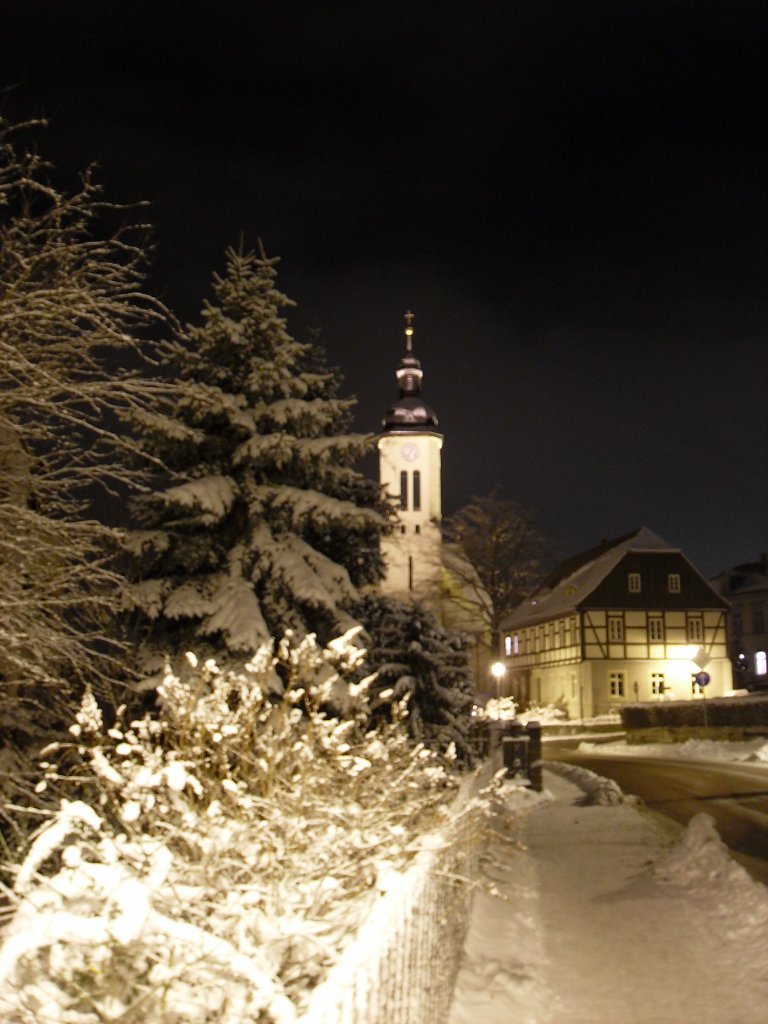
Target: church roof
{"type": "Point", "coordinates": [410, 411]}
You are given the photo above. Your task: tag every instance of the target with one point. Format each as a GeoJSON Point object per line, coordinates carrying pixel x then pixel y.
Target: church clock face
{"type": "Point", "coordinates": [410, 452]}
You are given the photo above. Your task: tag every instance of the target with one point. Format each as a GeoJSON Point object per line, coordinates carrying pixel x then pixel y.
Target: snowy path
{"type": "Point", "coordinates": [611, 920]}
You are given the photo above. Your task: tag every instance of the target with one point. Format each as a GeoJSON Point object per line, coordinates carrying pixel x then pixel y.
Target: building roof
{"type": "Point", "coordinates": [569, 585]}
{"type": "Point", "coordinates": [410, 412]}
{"type": "Point", "coordinates": [743, 579]}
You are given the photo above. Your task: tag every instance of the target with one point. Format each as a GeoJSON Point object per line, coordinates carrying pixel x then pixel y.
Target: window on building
{"type": "Point", "coordinates": [615, 628]}
{"type": "Point", "coordinates": [404, 489]}
{"type": "Point", "coordinates": [695, 628]}
{"type": "Point", "coordinates": [562, 632]}
{"type": "Point", "coordinates": [758, 619]}
{"type": "Point", "coordinates": [657, 683]}
{"type": "Point", "coordinates": [417, 528]}
{"type": "Point", "coordinates": [760, 663]}
{"type": "Point", "coordinates": [516, 643]}
{"type": "Point", "coordinates": [655, 628]}
{"type": "Point", "coordinates": [634, 582]}
{"type": "Point", "coordinates": [616, 683]}
{"type": "Point", "coordinates": [416, 490]}
{"type": "Point", "coordinates": [410, 572]}
{"type": "Point", "coordinates": [673, 583]}
{"type": "Point", "coordinates": [507, 645]}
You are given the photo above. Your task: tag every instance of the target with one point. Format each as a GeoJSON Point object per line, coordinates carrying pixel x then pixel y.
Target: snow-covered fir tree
{"type": "Point", "coordinates": [263, 524]}
{"type": "Point", "coordinates": [418, 658]}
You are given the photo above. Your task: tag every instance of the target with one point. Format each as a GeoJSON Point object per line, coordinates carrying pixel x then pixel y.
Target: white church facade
{"type": "Point", "coordinates": [417, 561]}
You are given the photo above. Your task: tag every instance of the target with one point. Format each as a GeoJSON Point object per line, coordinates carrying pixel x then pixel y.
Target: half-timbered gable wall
{"type": "Point", "coordinates": [637, 633]}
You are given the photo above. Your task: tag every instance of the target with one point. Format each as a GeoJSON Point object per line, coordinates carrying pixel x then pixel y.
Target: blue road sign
{"type": "Point", "coordinates": [701, 678]}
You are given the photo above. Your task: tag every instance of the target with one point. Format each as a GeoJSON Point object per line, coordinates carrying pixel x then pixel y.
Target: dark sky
{"type": "Point", "coordinates": [569, 194]}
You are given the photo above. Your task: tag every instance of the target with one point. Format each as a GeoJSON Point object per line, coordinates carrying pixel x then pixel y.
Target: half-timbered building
{"type": "Point", "coordinates": [631, 619]}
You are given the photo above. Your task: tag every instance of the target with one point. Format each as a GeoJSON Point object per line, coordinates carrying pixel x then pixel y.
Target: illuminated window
{"type": "Point", "coordinates": [695, 628]}
{"type": "Point", "coordinates": [616, 683]}
{"type": "Point", "coordinates": [760, 664]}
{"type": "Point", "coordinates": [403, 489]}
{"type": "Point", "coordinates": [416, 490]}
{"type": "Point", "coordinates": [657, 683]}
{"type": "Point", "coordinates": [507, 645]}
{"type": "Point", "coordinates": [516, 644]}
{"type": "Point", "coordinates": [615, 628]}
{"type": "Point", "coordinates": [673, 583]}
{"type": "Point", "coordinates": [634, 583]}
{"type": "Point", "coordinates": [655, 628]}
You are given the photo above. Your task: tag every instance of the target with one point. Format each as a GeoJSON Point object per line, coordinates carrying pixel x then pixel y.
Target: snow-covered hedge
{"type": "Point", "coordinates": [220, 851]}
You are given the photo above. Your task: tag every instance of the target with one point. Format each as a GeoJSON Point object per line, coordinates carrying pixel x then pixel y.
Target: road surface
{"type": "Point", "coordinates": [734, 793]}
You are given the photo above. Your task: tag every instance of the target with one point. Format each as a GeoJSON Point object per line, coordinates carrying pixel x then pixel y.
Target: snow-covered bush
{"type": "Point", "coordinates": [222, 849]}
{"type": "Point", "coordinates": [499, 709]}
{"type": "Point", "coordinates": [506, 708]}
{"type": "Point", "coordinates": [72, 315]}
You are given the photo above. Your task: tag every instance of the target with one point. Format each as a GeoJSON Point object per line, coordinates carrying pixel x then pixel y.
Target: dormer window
{"type": "Point", "coordinates": [634, 582]}
{"type": "Point", "coordinates": [673, 583]}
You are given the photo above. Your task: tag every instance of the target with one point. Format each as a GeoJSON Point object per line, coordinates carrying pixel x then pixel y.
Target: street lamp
{"type": "Point", "coordinates": [498, 671]}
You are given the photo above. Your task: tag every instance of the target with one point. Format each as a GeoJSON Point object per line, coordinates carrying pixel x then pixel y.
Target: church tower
{"type": "Point", "coordinates": [409, 469]}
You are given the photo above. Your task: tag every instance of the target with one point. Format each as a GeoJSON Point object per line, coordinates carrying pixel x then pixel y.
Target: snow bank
{"type": "Point", "coordinates": [691, 750]}
{"type": "Point", "coordinates": [701, 864]}
{"type": "Point", "coordinates": [598, 790]}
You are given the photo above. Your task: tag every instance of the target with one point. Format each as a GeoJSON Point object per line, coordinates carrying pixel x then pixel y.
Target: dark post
{"type": "Point", "coordinates": [534, 756]}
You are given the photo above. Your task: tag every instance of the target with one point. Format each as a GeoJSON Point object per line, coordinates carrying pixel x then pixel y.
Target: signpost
{"type": "Point", "coordinates": [701, 679]}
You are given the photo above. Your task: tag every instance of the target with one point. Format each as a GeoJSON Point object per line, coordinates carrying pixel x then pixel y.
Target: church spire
{"type": "Point", "coordinates": [408, 317]}
{"type": "Point", "coordinates": [410, 411]}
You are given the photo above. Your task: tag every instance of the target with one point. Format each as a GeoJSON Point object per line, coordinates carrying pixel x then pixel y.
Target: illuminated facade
{"type": "Point", "coordinates": [630, 620]}
{"type": "Point", "coordinates": [409, 469]}
{"type": "Point", "coordinates": [746, 587]}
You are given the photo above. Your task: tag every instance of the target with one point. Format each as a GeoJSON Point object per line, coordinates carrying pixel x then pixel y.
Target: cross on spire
{"type": "Point", "coordinates": [408, 317]}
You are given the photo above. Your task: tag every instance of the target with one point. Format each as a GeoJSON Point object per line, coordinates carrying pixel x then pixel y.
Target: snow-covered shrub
{"type": "Point", "coordinates": [499, 709]}
{"type": "Point", "coordinates": [506, 708]}
{"type": "Point", "coordinates": [231, 842]}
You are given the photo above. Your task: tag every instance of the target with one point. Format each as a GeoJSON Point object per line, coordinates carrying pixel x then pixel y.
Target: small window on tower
{"type": "Point", "coordinates": [404, 489]}
{"type": "Point", "coordinates": [673, 583]}
{"type": "Point", "coordinates": [416, 490]}
{"type": "Point", "coordinates": [634, 582]}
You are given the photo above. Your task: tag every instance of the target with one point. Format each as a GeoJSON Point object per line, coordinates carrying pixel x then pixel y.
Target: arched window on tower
{"type": "Point", "coordinates": [416, 490]}
{"type": "Point", "coordinates": [404, 489]}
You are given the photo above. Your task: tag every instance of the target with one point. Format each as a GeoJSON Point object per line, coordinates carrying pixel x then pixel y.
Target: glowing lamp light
{"type": "Point", "coordinates": [498, 669]}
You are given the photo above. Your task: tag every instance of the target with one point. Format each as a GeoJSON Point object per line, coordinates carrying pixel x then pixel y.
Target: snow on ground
{"type": "Point", "coordinates": [611, 915]}
{"type": "Point", "coordinates": [691, 750]}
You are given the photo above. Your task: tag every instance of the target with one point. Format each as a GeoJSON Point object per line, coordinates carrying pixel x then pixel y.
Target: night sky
{"type": "Point", "coordinates": [569, 194]}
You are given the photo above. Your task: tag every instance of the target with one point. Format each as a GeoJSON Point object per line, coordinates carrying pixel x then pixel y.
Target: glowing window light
{"type": "Point", "coordinates": [760, 663]}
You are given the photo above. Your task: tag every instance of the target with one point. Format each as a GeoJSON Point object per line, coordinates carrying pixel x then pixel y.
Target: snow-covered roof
{"type": "Point", "coordinates": [573, 580]}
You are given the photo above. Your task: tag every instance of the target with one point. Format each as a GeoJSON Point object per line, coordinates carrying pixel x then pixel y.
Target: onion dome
{"type": "Point", "coordinates": [410, 411]}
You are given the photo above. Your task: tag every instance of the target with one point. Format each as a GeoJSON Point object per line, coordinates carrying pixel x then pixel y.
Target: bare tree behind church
{"type": "Point", "coordinates": [500, 555]}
